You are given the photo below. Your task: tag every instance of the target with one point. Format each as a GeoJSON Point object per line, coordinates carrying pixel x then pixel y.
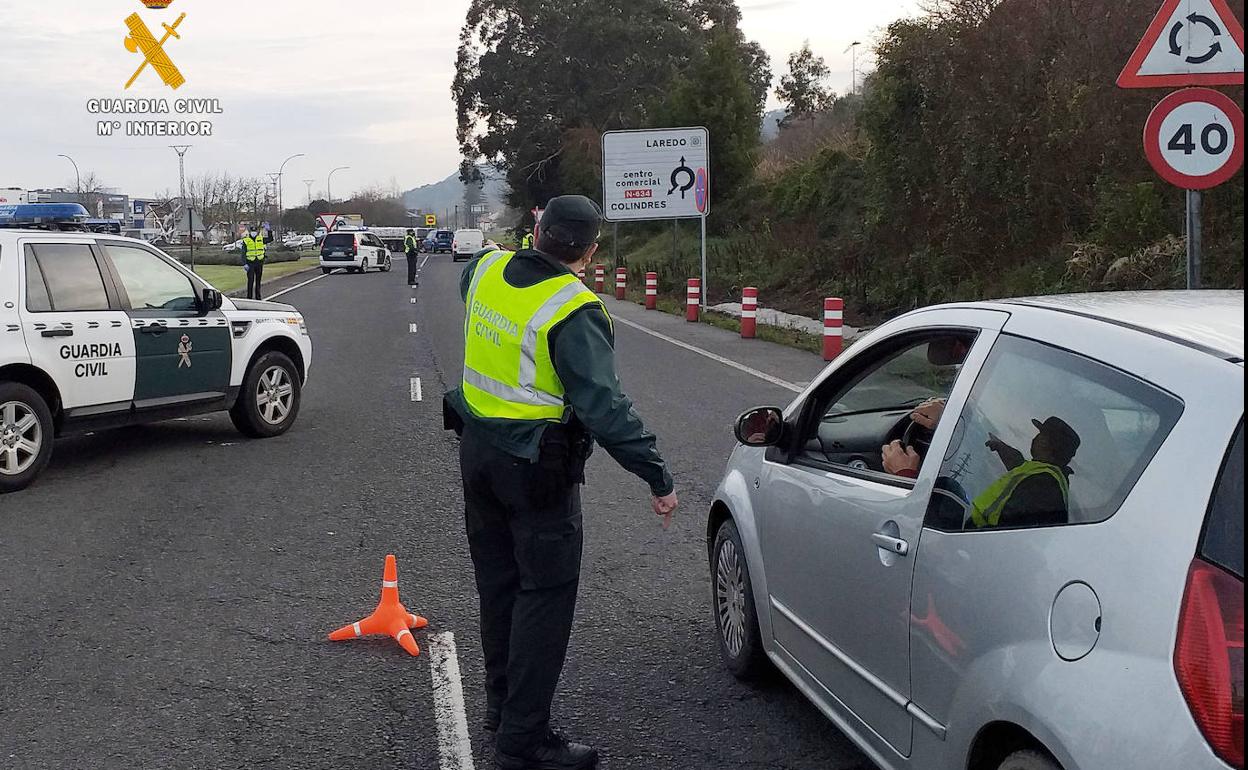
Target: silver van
{"type": "Point", "coordinates": [1004, 536]}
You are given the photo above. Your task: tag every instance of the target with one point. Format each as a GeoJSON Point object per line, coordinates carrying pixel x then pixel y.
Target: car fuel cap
{"type": "Point", "coordinates": [1075, 621]}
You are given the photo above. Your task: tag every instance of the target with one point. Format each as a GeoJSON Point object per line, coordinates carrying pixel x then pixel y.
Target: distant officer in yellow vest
{"type": "Point", "coordinates": [1034, 492]}
{"type": "Point", "coordinates": [411, 248]}
{"type": "Point", "coordinates": [539, 387]}
{"type": "Point", "coordinates": [527, 241]}
{"type": "Point", "coordinates": [253, 259]}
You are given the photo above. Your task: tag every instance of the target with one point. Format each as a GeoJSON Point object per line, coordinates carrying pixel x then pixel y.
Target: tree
{"type": "Point", "coordinates": [531, 73]}
{"type": "Point", "coordinates": [802, 90]}
{"type": "Point", "coordinates": [720, 91]}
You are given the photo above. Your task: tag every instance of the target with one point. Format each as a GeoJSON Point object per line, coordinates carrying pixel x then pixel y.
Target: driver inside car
{"type": "Point", "coordinates": [904, 460]}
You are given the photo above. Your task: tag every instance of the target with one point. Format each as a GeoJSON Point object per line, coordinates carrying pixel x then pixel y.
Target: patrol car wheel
{"type": "Point", "coordinates": [387, 266]}
{"type": "Point", "coordinates": [25, 436]}
{"type": "Point", "coordinates": [327, 270]}
{"type": "Point", "coordinates": [270, 397]}
{"type": "Point", "coordinates": [736, 620]}
{"type": "Point", "coordinates": [1028, 760]}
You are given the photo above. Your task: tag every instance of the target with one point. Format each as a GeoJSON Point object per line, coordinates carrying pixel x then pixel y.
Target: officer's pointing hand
{"type": "Point", "coordinates": [664, 506]}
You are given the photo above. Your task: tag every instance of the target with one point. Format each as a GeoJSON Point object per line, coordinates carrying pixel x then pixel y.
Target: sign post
{"type": "Point", "coordinates": [1194, 138]}
{"type": "Point", "coordinates": [658, 173]}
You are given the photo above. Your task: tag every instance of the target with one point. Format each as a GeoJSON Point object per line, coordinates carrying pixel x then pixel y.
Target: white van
{"type": "Point", "coordinates": [466, 244]}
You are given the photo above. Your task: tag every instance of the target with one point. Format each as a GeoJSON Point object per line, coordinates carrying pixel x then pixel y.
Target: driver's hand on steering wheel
{"type": "Point", "coordinates": [901, 461]}
{"type": "Point", "coordinates": [928, 413]}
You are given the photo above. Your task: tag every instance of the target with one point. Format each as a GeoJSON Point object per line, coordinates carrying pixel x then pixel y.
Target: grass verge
{"type": "Point", "coordinates": [228, 278]}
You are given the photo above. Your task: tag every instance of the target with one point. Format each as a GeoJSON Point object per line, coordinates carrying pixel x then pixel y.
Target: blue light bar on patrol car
{"type": "Point", "coordinates": [42, 214]}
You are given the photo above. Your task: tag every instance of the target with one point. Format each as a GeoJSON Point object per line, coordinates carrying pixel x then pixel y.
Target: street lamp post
{"type": "Point", "coordinates": [853, 47]}
{"type": "Point", "coordinates": [76, 176]}
{"type": "Point", "coordinates": [329, 183]}
{"type": "Point", "coordinates": [280, 204]}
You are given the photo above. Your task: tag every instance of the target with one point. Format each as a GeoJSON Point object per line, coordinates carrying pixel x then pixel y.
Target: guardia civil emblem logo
{"type": "Point", "coordinates": [184, 352]}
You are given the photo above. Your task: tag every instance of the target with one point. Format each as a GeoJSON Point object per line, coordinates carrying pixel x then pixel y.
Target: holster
{"type": "Point", "coordinates": [450, 418]}
{"type": "Point", "coordinates": [564, 450]}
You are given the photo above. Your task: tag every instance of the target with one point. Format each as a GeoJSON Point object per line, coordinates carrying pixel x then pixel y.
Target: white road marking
{"type": "Point", "coordinates": [454, 745]}
{"type": "Point", "coordinates": [275, 295]}
{"type": "Point", "coordinates": [412, 328]}
{"type": "Point", "coordinates": [417, 394]}
{"type": "Point", "coordinates": [413, 300]}
{"type": "Point", "coordinates": [718, 358]}
{"type": "Point", "coordinates": [423, 261]}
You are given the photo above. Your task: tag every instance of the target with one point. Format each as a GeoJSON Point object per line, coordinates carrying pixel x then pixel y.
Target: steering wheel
{"type": "Point", "coordinates": [917, 436]}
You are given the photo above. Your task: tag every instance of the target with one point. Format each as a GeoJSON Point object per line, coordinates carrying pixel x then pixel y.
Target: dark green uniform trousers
{"type": "Point", "coordinates": [524, 533]}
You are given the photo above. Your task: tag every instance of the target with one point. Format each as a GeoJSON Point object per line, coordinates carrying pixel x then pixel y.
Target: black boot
{"type": "Point", "coordinates": [553, 753]}
{"type": "Point", "coordinates": [493, 716]}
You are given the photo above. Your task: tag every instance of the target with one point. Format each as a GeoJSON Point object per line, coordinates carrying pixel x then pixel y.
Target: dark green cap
{"type": "Point", "coordinates": [572, 220]}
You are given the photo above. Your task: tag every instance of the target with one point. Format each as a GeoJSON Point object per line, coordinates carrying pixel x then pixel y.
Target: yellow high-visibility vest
{"type": "Point", "coordinates": [508, 370]}
{"type": "Point", "coordinates": [986, 509]}
{"type": "Point", "coordinates": [255, 248]}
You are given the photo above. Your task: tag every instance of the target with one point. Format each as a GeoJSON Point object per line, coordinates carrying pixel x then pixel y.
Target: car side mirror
{"type": "Point", "coordinates": [760, 427]}
{"type": "Point", "coordinates": [212, 300]}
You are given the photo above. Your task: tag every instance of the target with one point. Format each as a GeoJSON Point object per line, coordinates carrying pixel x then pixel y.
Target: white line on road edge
{"type": "Point", "coordinates": [412, 328]}
{"type": "Point", "coordinates": [423, 261]}
{"type": "Point", "coordinates": [454, 745]}
{"type": "Point", "coordinates": [720, 359]}
{"type": "Point", "coordinates": [413, 300]}
{"type": "Point", "coordinates": [275, 295]}
{"type": "Point", "coordinates": [417, 395]}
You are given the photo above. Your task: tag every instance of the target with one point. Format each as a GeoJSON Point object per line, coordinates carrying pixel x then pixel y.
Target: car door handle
{"type": "Point", "coordinates": [57, 332]}
{"type": "Point", "coordinates": [891, 544]}
{"type": "Point", "coordinates": [153, 329]}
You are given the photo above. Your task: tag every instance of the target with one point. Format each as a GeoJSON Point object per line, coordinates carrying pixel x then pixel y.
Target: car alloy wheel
{"type": "Point", "coordinates": [21, 437]}
{"type": "Point", "coordinates": [275, 395]}
{"type": "Point", "coordinates": [730, 598]}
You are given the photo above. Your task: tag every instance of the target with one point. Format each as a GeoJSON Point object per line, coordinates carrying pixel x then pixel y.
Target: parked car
{"type": "Point", "coordinates": [466, 243]}
{"type": "Point", "coordinates": [439, 241]}
{"type": "Point", "coordinates": [1052, 579]}
{"type": "Point", "coordinates": [234, 246]}
{"type": "Point", "coordinates": [355, 250]}
{"type": "Point", "coordinates": [296, 241]}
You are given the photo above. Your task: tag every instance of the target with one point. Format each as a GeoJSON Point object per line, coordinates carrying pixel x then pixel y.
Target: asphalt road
{"type": "Point", "coordinates": [165, 591]}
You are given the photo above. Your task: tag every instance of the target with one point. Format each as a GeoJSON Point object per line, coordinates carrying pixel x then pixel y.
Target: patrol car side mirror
{"type": "Point", "coordinates": [212, 300]}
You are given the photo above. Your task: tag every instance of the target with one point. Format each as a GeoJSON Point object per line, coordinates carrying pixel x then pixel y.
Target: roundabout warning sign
{"type": "Point", "coordinates": [656, 174]}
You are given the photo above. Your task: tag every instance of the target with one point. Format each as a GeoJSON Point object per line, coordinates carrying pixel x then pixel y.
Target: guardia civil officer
{"type": "Point", "coordinates": [411, 247]}
{"type": "Point", "coordinates": [527, 241]}
{"type": "Point", "coordinates": [539, 387]}
{"type": "Point", "coordinates": [253, 259]}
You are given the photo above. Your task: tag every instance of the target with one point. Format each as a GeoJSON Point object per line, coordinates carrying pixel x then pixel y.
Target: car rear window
{"type": "Point", "coordinates": [1223, 542]}
{"type": "Point", "coordinates": [341, 241]}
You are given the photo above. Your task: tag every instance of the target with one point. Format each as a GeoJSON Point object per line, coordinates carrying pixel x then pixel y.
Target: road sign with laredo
{"type": "Point", "coordinates": [656, 174]}
{"type": "Point", "coordinates": [1189, 43]}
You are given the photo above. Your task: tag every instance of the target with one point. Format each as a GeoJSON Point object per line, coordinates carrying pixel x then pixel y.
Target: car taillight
{"type": "Point", "coordinates": [1209, 657]}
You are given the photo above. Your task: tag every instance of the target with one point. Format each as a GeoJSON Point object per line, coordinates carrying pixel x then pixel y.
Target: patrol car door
{"type": "Point", "coordinates": [74, 327]}
{"type": "Point", "coordinates": [183, 353]}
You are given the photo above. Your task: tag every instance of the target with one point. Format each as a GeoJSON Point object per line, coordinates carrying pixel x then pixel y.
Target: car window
{"type": "Point", "coordinates": [71, 275]}
{"type": "Point", "coordinates": [37, 299]}
{"type": "Point", "coordinates": [150, 282]}
{"type": "Point", "coordinates": [1223, 541]}
{"type": "Point", "coordinates": [855, 419]}
{"type": "Point", "coordinates": [1047, 438]}
{"type": "Point", "coordinates": [338, 241]}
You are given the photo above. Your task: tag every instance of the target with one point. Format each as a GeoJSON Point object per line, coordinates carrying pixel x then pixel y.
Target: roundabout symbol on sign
{"type": "Point", "coordinates": [1194, 138]}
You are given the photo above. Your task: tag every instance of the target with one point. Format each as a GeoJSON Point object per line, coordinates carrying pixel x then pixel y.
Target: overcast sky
{"type": "Point", "coordinates": [364, 84]}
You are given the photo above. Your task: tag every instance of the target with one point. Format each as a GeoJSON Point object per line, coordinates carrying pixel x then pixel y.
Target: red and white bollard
{"type": "Point", "coordinates": [693, 299]}
{"type": "Point", "coordinates": [581, 274]}
{"type": "Point", "coordinates": [600, 279]}
{"type": "Point", "coordinates": [652, 291]}
{"type": "Point", "coordinates": [749, 312]}
{"type": "Point", "coordinates": [833, 331]}
{"type": "Point", "coordinates": [621, 281]}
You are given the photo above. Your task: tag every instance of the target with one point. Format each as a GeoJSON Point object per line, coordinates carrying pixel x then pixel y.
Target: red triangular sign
{"type": "Point", "coordinates": [1189, 43]}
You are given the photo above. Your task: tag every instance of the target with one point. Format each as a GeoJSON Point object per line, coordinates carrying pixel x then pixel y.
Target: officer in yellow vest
{"type": "Point", "coordinates": [253, 259]}
{"type": "Point", "coordinates": [411, 248]}
{"type": "Point", "coordinates": [1033, 492]}
{"type": "Point", "coordinates": [539, 387]}
{"type": "Point", "coordinates": [527, 241]}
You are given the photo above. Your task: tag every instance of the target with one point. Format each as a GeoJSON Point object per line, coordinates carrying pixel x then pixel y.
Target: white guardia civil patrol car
{"type": "Point", "coordinates": [99, 331]}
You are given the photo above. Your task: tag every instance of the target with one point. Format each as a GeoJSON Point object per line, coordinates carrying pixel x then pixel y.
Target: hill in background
{"type": "Point", "coordinates": [441, 198]}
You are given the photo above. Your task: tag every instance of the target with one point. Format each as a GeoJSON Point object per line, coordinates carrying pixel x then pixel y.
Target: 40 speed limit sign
{"type": "Point", "coordinates": [1194, 138]}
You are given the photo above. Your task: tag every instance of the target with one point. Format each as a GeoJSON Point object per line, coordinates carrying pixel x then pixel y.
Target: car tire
{"type": "Point", "coordinates": [732, 602]}
{"type": "Point", "coordinates": [385, 268]}
{"type": "Point", "coordinates": [268, 378]}
{"type": "Point", "coordinates": [327, 270]}
{"type": "Point", "coordinates": [19, 403]}
{"type": "Point", "coordinates": [1028, 760]}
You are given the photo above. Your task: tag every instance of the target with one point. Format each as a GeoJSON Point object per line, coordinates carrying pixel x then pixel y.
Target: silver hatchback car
{"type": "Point", "coordinates": [1005, 536]}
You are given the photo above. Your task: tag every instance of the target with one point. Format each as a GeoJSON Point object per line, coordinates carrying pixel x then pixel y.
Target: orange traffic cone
{"type": "Point", "coordinates": [390, 618]}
